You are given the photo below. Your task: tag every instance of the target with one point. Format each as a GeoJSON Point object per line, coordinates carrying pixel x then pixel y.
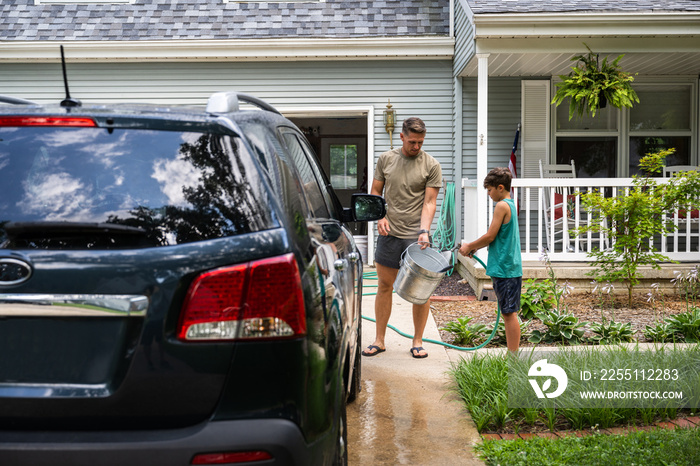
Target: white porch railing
{"type": "Point", "coordinates": [544, 228]}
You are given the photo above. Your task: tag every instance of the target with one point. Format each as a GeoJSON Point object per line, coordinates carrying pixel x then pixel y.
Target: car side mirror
{"type": "Point", "coordinates": [365, 208]}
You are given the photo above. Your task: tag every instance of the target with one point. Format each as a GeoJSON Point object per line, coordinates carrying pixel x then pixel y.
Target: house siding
{"type": "Point", "coordinates": [415, 88]}
{"type": "Point", "coordinates": [464, 36]}
{"type": "Point", "coordinates": [503, 118]}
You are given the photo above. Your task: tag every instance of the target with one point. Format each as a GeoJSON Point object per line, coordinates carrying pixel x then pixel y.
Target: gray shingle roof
{"type": "Point", "coordinates": [554, 6]}
{"type": "Point", "coordinates": [21, 20]}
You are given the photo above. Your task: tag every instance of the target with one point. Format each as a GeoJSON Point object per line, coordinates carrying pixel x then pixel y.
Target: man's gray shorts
{"type": "Point", "coordinates": [389, 250]}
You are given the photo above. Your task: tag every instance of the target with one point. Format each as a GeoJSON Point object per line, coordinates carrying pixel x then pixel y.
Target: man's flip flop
{"type": "Point", "coordinates": [371, 347]}
{"type": "Point", "coordinates": [417, 350]}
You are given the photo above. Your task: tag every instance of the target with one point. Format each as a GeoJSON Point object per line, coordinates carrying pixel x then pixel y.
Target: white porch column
{"type": "Point", "coordinates": [482, 141]}
{"type": "Point", "coordinates": [458, 157]}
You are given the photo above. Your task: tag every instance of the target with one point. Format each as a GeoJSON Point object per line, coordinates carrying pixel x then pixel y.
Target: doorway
{"type": "Point", "coordinates": [340, 143]}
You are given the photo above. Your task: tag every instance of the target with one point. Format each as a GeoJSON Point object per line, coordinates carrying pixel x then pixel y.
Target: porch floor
{"type": "Point", "coordinates": [575, 273]}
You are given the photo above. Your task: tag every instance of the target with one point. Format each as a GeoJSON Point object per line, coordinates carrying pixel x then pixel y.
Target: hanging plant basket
{"type": "Point", "coordinates": [592, 84]}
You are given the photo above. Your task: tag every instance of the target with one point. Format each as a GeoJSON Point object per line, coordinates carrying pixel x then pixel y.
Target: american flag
{"type": "Point", "coordinates": [513, 164]}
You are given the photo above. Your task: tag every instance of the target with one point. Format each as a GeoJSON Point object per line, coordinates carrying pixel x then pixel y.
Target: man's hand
{"type": "Point", "coordinates": [424, 240]}
{"type": "Point", "coordinates": [383, 227]}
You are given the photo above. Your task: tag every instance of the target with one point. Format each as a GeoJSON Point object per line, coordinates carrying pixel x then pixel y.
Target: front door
{"type": "Point", "coordinates": [340, 144]}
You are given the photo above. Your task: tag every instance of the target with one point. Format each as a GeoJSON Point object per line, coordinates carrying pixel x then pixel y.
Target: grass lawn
{"type": "Point", "coordinates": [657, 447]}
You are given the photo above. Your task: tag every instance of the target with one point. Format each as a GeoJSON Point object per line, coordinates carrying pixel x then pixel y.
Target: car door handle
{"type": "Point", "coordinates": [340, 264]}
{"type": "Point", "coordinates": [354, 256]}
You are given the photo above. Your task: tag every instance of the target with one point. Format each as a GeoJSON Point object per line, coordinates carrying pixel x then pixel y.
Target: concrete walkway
{"type": "Point", "coordinates": [406, 412]}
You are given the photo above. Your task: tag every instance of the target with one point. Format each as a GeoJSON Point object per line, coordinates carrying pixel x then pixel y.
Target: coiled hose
{"type": "Point", "coordinates": [444, 236]}
{"type": "Point", "coordinates": [372, 275]}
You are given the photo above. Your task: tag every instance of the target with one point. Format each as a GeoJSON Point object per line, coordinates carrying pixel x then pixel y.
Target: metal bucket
{"type": "Point", "coordinates": [420, 272]}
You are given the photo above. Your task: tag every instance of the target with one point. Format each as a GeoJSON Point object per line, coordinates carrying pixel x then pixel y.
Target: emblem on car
{"type": "Point", "coordinates": [14, 271]}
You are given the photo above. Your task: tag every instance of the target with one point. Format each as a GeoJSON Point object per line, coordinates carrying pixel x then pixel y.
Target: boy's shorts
{"type": "Point", "coordinates": [389, 250]}
{"type": "Point", "coordinates": [508, 293]}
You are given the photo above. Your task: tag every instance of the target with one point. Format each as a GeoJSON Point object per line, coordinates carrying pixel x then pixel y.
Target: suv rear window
{"type": "Point", "coordinates": [74, 188]}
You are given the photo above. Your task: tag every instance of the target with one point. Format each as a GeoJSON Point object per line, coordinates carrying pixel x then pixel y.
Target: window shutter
{"type": "Point", "coordinates": [535, 127]}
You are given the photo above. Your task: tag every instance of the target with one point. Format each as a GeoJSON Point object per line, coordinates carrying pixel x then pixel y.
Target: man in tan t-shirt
{"type": "Point", "coordinates": [409, 179]}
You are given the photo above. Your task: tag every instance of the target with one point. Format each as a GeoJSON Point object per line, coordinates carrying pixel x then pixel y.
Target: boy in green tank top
{"type": "Point", "coordinates": [504, 264]}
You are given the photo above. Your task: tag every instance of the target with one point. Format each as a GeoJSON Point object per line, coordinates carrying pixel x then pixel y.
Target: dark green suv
{"type": "Point", "coordinates": [177, 286]}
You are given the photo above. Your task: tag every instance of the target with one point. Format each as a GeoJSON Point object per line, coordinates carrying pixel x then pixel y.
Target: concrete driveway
{"type": "Point", "coordinates": [406, 413]}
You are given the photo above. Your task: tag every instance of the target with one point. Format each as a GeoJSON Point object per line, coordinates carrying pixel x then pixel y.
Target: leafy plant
{"type": "Point", "coordinates": [592, 82]}
{"type": "Point", "coordinates": [550, 418]}
{"type": "Point", "coordinates": [562, 327]}
{"type": "Point", "coordinates": [611, 332]}
{"type": "Point", "coordinates": [661, 332]}
{"type": "Point", "coordinates": [536, 297]}
{"type": "Point", "coordinates": [466, 334]}
{"type": "Point", "coordinates": [686, 324]}
{"type": "Point", "coordinates": [631, 218]}
{"type": "Point", "coordinates": [482, 382]}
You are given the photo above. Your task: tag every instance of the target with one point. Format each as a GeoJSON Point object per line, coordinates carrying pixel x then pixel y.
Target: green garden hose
{"type": "Point", "coordinates": [372, 275]}
{"type": "Point", "coordinates": [444, 237]}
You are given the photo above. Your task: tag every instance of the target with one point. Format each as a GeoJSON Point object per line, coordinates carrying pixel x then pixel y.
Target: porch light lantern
{"type": "Point", "coordinates": [390, 122]}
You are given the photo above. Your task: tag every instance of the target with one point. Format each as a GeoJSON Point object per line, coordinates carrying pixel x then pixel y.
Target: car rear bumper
{"type": "Point", "coordinates": [280, 438]}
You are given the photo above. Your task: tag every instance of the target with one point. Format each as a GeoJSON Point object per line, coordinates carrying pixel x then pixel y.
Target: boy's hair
{"type": "Point", "coordinates": [414, 125]}
{"type": "Point", "coordinates": [497, 176]}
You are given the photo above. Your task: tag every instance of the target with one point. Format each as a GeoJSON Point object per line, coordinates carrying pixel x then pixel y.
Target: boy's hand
{"type": "Point", "coordinates": [466, 249]}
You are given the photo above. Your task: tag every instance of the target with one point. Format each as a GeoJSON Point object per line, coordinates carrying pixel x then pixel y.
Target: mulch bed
{"type": "Point", "coordinates": [585, 306]}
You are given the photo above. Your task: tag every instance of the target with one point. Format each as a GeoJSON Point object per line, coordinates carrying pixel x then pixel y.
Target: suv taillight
{"type": "Point", "coordinates": [47, 121]}
{"type": "Point", "coordinates": [259, 299]}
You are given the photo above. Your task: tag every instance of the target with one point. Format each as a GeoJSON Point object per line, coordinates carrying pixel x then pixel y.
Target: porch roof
{"type": "Point", "coordinates": [520, 41]}
{"type": "Point", "coordinates": [536, 6]}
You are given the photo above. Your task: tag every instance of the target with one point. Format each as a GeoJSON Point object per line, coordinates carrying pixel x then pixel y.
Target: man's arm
{"type": "Point", "coordinates": [467, 249]}
{"type": "Point", "coordinates": [428, 213]}
{"type": "Point", "coordinates": [377, 187]}
{"type": "Point", "coordinates": [382, 224]}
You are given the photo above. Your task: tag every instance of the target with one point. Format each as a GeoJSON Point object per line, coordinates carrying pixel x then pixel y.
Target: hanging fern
{"type": "Point", "coordinates": [592, 83]}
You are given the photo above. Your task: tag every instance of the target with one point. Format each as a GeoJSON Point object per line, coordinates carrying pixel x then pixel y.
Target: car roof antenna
{"type": "Point", "coordinates": [68, 101]}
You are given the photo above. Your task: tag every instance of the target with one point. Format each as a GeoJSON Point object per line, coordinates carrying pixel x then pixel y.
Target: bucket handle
{"type": "Point", "coordinates": [417, 242]}
{"type": "Point", "coordinates": [430, 245]}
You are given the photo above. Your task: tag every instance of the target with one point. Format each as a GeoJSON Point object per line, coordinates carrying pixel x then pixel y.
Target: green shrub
{"type": "Point", "coordinates": [611, 332]}
{"type": "Point", "coordinates": [686, 325]}
{"type": "Point", "coordinates": [629, 219]}
{"type": "Point", "coordinates": [466, 334]}
{"type": "Point", "coordinates": [562, 327]}
{"type": "Point", "coordinates": [662, 332]}
{"type": "Point", "coordinates": [536, 297]}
